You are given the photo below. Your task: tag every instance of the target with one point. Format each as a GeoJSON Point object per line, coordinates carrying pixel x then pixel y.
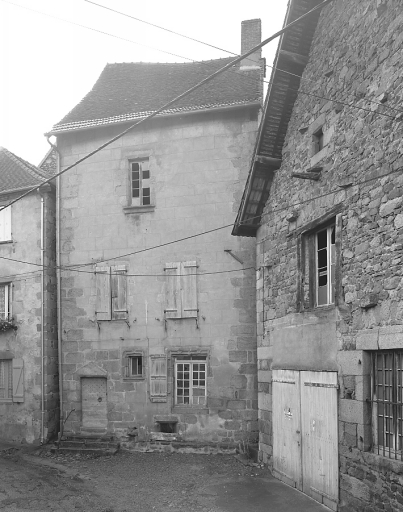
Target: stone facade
{"type": "Point", "coordinates": [197, 167]}
{"type": "Point", "coordinates": [21, 416]}
{"type": "Point", "coordinates": [355, 60]}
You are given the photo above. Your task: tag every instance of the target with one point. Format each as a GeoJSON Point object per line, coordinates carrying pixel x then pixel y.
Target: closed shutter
{"type": "Point", "coordinates": [4, 301]}
{"type": "Point", "coordinates": [173, 305]}
{"type": "Point", "coordinates": [103, 284]}
{"type": "Point", "coordinates": [189, 291]}
{"type": "Point", "coordinates": [18, 380]}
{"type": "Point", "coordinates": [158, 378]}
{"type": "Point", "coordinates": [119, 292]}
{"type": "Point", "coordinates": [5, 224]}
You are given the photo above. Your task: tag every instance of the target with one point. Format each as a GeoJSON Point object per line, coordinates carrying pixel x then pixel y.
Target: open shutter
{"type": "Point", "coordinates": [103, 283]}
{"type": "Point", "coordinates": [119, 292]}
{"type": "Point", "coordinates": [189, 291]}
{"type": "Point", "coordinates": [5, 224]}
{"type": "Point", "coordinates": [173, 304]}
{"type": "Point", "coordinates": [158, 378]}
{"type": "Point", "coordinates": [18, 380]}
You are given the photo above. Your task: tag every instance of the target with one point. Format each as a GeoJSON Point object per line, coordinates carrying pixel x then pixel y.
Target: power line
{"type": "Point", "coordinates": [274, 210]}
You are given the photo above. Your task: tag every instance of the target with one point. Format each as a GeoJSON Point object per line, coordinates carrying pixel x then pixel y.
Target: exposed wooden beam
{"type": "Point", "coordinates": [268, 160]}
{"type": "Point", "coordinates": [306, 176]}
{"type": "Point", "coordinates": [295, 58]}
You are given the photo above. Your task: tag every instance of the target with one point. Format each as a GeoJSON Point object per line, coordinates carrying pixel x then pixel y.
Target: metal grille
{"type": "Point", "coordinates": [387, 382]}
{"type": "Point", "coordinates": [6, 380]}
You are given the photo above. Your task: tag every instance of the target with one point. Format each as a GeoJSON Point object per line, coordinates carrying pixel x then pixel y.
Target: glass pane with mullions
{"type": "Point", "coordinates": [322, 239]}
{"type": "Point", "coordinates": [135, 167]}
{"type": "Point", "coordinates": [322, 259]}
{"type": "Point", "coordinates": [146, 175]}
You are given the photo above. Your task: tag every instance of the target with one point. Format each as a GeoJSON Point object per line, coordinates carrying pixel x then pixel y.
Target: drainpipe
{"type": "Point", "coordinates": [59, 308]}
{"type": "Point", "coordinates": [42, 321]}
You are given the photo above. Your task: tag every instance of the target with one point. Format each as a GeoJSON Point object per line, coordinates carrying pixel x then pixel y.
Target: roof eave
{"type": "Point", "coordinates": [251, 104]}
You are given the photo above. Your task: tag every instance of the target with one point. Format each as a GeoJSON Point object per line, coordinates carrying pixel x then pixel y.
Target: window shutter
{"type": "Point", "coordinates": [119, 292]}
{"type": "Point", "coordinates": [103, 283]}
{"type": "Point", "coordinates": [4, 301]}
{"type": "Point", "coordinates": [189, 291]}
{"type": "Point", "coordinates": [173, 304]}
{"type": "Point", "coordinates": [18, 380]}
{"type": "Point", "coordinates": [158, 378]}
{"type": "Point", "coordinates": [5, 224]}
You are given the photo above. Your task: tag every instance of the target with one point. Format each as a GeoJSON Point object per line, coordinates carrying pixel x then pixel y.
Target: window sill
{"type": "Point", "coordinates": [6, 242]}
{"type": "Point", "coordinates": [6, 401]}
{"type": "Point", "coordinates": [138, 209]}
{"type": "Point", "coordinates": [131, 379]}
{"type": "Point", "coordinates": [189, 409]}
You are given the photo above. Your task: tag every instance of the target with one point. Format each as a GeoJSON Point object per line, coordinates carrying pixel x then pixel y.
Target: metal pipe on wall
{"type": "Point", "coordinates": [42, 321]}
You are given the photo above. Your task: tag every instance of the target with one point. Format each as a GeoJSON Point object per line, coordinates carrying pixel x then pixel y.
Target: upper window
{"type": "Point", "coordinates": [387, 399]}
{"type": "Point", "coordinates": [111, 283]}
{"type": "Point", "coordinates": [325, 266]}
{"type": "Point", "coordinates": [5, 302]}
{"type": "Point", "coordinates": [190, 380]}
{"type": "Point", "coordinates": [5, 224]}
{"type": "Point", "coordinates": [317, 141]}
{"type": "Point", "coordinates": [318, 266]}
{"type": "Point", "coordinates": [140, 186]}
{"type": "Point", "coordinates": [181, 291]}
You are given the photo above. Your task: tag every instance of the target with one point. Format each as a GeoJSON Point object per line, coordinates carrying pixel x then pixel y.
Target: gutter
{"type": "Point", "coordinates": [58, 273]}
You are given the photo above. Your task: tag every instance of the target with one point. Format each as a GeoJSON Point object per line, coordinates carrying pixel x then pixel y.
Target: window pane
{"type": "Point", "coordinates": [146, 175]}
{"type": "Point", "coordinates": [135, 167]}
{"type": "Point", "coordinates": [322, 259]}
{"type": "Point", "coordinates": [322, 239]}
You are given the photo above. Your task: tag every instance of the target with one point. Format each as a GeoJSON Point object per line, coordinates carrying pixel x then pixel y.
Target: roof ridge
{"type": "Point", "coordinates": [171, 63]}
{"type": "Point", "coordinates": [27, 166]}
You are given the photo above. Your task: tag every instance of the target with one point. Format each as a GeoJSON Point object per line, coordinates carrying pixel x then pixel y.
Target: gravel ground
{"type": "Point", "coordinates": [126, 482]}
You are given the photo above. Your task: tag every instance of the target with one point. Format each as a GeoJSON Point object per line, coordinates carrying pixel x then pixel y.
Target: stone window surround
{"type": "Point", "coordinates": [129, 208]}
{"type": "Point", "coordinates": [306, 272]}
{"type": "Point", "coordinates": [171, 358]}
{"type": "Point", "coordinates": [314, 128]}
{"type": "Point", "coordinates": [125, 362]}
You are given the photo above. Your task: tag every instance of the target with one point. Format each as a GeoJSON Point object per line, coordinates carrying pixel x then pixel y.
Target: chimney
{"type": "Point", "coordinates": [251, 35]}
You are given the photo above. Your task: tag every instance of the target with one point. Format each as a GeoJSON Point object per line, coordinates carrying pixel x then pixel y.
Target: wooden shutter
{"type": "Point", "coordinates": [158, 378]}
{"type": "Point", "coordinates": [18, 380]}
{"type": "Point", "coordinates": [119, 292]}
{"type": "Point", "coordinates": [103, 283]}
{"type": "Point", "coordinates": [189, 291]}
{"type": "Point", "coordinates": [5, 224]}
{"type": "Point", "coordinates": [173, 305]}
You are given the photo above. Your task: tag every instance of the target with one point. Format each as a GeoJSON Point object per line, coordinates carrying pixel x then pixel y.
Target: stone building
{"type": "Point", "coordinates": [28, 352]}
{"type": "Point", "coordinates": [158, 323]}
{"type": "Point", "coordinates": [324, 201]}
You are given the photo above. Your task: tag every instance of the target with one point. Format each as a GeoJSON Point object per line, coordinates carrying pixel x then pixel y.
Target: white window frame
{"type": "Point", "coordinates": [143, 183]}
{"type": "Point", "coordinates": [6, 307]}
{"type": "Point", "coordinates": [5, 224]}
{"type": "Point", "coordinates": [199, 400]}
{"type": "Point", "coordinates": [330, 266]}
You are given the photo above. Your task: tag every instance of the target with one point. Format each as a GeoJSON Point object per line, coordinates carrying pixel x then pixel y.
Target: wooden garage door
{"type": "Point", "coordinates": [287, 427]}
{"type": "Point", "coordinates": [94, 403]}
{"type": "Point", "coordinates": [319, 441]}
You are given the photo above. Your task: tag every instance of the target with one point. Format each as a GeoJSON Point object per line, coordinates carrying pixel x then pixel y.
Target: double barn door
{"type": "Point", "coordinates": [305, 453]}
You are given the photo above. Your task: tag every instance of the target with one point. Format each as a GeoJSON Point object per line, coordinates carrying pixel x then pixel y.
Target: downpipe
{"type": "Point", "coordinates": [42, 322]}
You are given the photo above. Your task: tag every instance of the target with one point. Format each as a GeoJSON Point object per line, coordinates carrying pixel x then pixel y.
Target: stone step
{"type": "Point", "coordinates": [88, 438]}
{"type": "Point", "coordinates": [88, 443]}
{"type": "Point", "coordinates": [86, 451]}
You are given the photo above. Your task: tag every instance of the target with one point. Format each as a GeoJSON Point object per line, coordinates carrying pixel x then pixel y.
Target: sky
{"type": "Point", "coordinates": [47, 65]}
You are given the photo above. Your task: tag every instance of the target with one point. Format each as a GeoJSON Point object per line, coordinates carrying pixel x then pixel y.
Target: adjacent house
{"type": "Point", "coordinates": [158, 299]}
{"type": "Point", "coordinates": [29, 410]}
{"type": "Point", "coordinates": [324, 201]}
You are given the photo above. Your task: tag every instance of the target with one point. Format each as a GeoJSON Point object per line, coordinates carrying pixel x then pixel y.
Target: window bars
{"type": "Point", "coordinates": [387, 403]}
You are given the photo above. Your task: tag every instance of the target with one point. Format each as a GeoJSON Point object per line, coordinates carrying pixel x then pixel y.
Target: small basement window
{"type": "Point", "coordinates": [167, 427]}
{"type": "Point", "coordinates": [317, 141]}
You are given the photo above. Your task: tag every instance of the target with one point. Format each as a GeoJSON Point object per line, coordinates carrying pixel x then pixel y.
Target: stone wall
{"type": "Point", "coordinates": [21, 422]}
{"type": "Point", "coordinates": [355, 60]}
{"type": "Point", "coordinates": [198, 166]}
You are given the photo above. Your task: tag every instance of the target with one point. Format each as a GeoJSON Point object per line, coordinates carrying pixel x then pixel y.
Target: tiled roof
{"type": "Point", "coordinates": [129, 91]}
{"type": "Point", "coordinates": [18, 174]}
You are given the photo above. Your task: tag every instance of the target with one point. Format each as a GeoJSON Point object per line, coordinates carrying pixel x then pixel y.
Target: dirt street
{"type": "Point", "coordinates": [141, 482]}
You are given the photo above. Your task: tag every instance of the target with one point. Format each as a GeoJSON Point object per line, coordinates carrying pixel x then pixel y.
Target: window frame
{"type": "Point", "coordinates": [330, 262]}
{"type": "Point", "coordinates": [141, 162]}
{"type": "Point", "coordinates": [7, 237]}
{"type": "Point", "coordinates": [7, 302]}
{"type": "Point", "coordinates": [393, 404]}
{"type": "Point", "coordinates": [127, 375]}
{"type": "Point", "coordinates": [192, 360]}
{"type": "Point", "coordinates": [318, 140]}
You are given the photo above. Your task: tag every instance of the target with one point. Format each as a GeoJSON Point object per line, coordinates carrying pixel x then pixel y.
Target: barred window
{"type": "Point", "coordinates": [387, 400]}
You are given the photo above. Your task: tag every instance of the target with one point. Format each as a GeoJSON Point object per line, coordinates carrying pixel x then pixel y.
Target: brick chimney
{"type": "Point", "coordinates": [251, 35]}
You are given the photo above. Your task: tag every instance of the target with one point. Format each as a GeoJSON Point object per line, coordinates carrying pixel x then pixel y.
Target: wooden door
{"type": "Point", "coordinates": [287, 427]}
{"type": "Point", "coordinates": [319, 436]}
{"type": "Point", "coordinates": [94, 403]}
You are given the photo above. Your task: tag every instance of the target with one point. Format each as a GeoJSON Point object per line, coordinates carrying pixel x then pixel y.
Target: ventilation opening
{"type": "Point", "coordinates": [167, 427]}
